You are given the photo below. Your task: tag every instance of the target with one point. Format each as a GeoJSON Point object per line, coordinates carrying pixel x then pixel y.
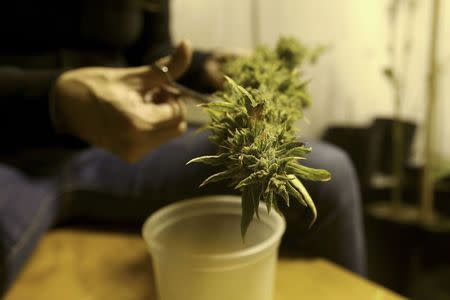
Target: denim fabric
{"type": "Point", "coordinates": [94, 184]}
{"type": "Point", "coordinates": [27, 209]}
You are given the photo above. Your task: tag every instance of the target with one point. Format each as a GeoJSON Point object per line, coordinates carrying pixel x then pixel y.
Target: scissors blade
{"type": "Point", "coordinates": [183, 90]}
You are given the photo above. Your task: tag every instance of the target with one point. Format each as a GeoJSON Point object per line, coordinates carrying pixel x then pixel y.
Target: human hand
{"type": "Point", "coordinates": [107, 107]}
{"type": "Point", "coordinates": [213, 71]}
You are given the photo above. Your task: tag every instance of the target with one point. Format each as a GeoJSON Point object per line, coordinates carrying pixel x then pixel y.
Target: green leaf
{"type": "Point", "coordinates": [248, 159]}
{"type": "Point", "coordinates": [290, 145]}
{"type": "Point", "coordinates": [269, 200]}
{"type": "Point", "coordinates": [212, 160]}
{"type": "Point", "coordinates": [283, 194]}
{"type": "Point", "coordinates": [240, 90]}
{"type": "Point", "coordinates": [295, 193]}
{"type": "Point", "coordinates": [218, 177]}
{"type": "Point", "coordinates": [308, 173]}
{"type": "Point", "coordinates": [248, 210]}
{"type": "Point", "coordinates": [298, 151]}
{"type": "Point", "coordinates": [306, 197]}
{"type": "Point", "coordinates": [275, 206]}
{"type": "Point", "coordinates": [256, 191]}
{"type": "Point", "coordinates": [251, 179]}
{"type": "Point", "coordinates": [291, 159]}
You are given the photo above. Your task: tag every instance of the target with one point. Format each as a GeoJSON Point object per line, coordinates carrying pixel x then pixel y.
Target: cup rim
{"type": "Point", "coordinates": [274, 220]}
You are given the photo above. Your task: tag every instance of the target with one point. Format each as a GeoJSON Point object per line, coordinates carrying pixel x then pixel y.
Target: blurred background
{"type": "Point", "coordinates": [348, 85]}
{"type": "Point", "coordinates": [375, 74]}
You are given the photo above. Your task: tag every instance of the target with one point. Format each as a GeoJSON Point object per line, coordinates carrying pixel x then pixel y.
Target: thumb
{"type": "Point", "coordinates": [178, 62]}
{"type": "Point", "coordinates": [152, 77]}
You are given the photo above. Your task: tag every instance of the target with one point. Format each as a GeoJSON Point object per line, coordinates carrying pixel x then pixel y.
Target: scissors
{"type": "Point", "coordinates": [181, 89]}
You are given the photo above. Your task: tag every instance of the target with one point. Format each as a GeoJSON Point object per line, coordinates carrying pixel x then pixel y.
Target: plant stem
{"type": "Point", "coordinates": [398, 159]}
{"type": "Point", "coordinates": [398, 133]}
{"type": "Point", "coordinates": [396, 190]}
{"type": "Point", "coordinates": [427, 196]}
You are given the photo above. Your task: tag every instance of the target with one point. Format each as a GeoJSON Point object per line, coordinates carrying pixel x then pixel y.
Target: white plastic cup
{"type": "Point", "coordinates": [198, 252]}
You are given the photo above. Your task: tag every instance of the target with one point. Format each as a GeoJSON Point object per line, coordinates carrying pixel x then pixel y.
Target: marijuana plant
{"type": "Point", "coordinates": [253, 126]}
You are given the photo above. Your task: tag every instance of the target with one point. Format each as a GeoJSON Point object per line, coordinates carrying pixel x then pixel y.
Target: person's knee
{"type": "Point", "coordinates": [333, 159]}
{"type": "Point", "coordinates": [342, 190]}
{"type": "Point", "coordinates": [27, 210]}
{"type": "Point", "coordinates": [338, 205]}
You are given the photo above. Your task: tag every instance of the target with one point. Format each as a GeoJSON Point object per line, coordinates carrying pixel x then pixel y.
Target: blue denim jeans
{"type": "Point", "coordinates": [93, 184]}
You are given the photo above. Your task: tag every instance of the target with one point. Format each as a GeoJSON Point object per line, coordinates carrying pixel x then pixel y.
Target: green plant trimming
{"type": "Point", "coordinates": [253, 126]}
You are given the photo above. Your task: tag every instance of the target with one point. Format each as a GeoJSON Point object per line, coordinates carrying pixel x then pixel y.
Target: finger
{"type": "Point", "coordinates": [166, 134]}
{"type": "Point", "coordinates": [214, 74]}
{"type": "Point", "coordinates": [160, 94]}
{"type": "Point", "coordinates": [148, 77]}
{"type": "Point", "coordinates": [178, 62]}
{"type": "Point", "coordinates": [165, 114]}
{"type": "Point", "coordinates": [152, 140]}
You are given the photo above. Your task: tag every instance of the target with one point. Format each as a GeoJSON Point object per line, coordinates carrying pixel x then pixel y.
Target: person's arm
{"type": "Point", "coordinates": [24, 110]}
{"type": "Point", "coordinates": [155, 42]}
{"type": "Point", "coordinates": [123, 110]}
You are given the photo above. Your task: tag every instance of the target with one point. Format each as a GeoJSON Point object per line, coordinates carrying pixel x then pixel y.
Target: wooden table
{"type": "Point", "coordinates": [86, 265]}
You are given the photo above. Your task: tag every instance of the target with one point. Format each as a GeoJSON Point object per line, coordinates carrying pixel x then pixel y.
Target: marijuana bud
{"type": "Point", "coordinates": [253, 126]}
